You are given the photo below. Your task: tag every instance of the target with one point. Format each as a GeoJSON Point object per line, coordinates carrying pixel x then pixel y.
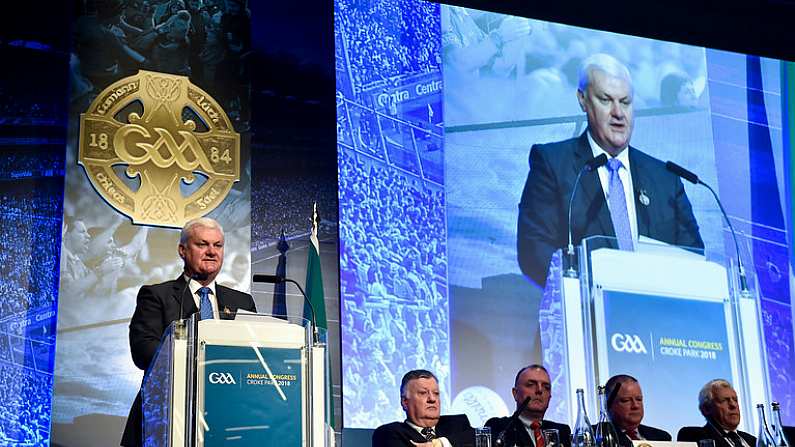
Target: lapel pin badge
{"type": "Point", "coordinates": [644, 199]}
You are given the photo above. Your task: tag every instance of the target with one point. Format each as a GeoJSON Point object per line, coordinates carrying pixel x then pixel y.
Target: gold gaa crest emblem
{"type": "Point", "coordinates": [159, 149]}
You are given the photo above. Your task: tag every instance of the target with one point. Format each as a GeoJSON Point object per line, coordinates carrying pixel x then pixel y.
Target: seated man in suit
{"type": "Point", "coordinates": [419, 397]}
{"type": "Point", "coordinates": [626, 411]}
{"type": "Point", "coordinates": [717, 402]}
{"type": "Point", "coordinates": [201, 247]}
{"type": "Point", "coordinates": [530, 382]}
{"type": "Point", "coordinates": [633, 194]}
{"type": "Point", "coordinates": [789, 433]}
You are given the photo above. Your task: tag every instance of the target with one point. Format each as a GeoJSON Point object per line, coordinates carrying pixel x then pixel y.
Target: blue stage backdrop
{"type": "Point", "coordinates": [32, 120]}
{"type": "Point", "coordinates": [427, 206]}
{"type": "Point", "coordinates": [393, 254]}
{"type": "Point", "coordinates": [56, 71]}
{"type": "Point", "coordinates": [437, 108]}
{"type": "Point", "coordinates": [157, 135]}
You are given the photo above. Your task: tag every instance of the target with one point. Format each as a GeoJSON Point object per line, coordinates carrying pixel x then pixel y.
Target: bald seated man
{"type": "Point", "coordinates": [531, 382]}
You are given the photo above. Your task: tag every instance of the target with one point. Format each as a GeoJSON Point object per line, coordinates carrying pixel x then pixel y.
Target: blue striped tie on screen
{"type": "Point", "coordinates": [618, 206]}
{"type": "Point", "coordinates": [205, 306]}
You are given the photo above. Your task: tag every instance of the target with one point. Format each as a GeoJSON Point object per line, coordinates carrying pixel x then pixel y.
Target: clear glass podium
{"type": "Point", "coordinates": [672, 317]}
{"type": "Point", "coordinates": [253, 381]}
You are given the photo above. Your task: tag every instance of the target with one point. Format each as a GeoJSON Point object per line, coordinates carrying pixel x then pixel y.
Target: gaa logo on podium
{"type": "Point", "coordinates": [217, 378]}
{"type": "Point", "coordinates": [627, 343]}
{"type": "Point", "coordinates": [159, 149]}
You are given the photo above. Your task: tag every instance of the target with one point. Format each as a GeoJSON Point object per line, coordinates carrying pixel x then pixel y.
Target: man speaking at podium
{"type": "Point", "coordinates": [201, 247]}
{"type": "Point", "coordinates": [632, 194]}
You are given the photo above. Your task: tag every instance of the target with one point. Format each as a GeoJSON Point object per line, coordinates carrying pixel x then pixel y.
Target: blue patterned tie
{"type": "Point", "coordinates": [618, 206]}
{"type": "Point", "coordinates": [205, 306]}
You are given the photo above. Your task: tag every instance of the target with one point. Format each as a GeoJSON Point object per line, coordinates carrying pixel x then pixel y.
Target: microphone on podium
{"type": "Point", "coordinates": [613, 394]}
{"type": "Point", "coordinates": [693, 178]}
{"type": "Point", "coordinates": [596, 162]}
{"type": "Point", "coordinates": [278, 279]}
{"type": "Point", "coordinates": [684, 173]}
{"type": "Point", "coordinates": [590, 165]}
{"type": "Point", "coordinates": [192, 277]}
{"type": "Point", "coordinates": [270, 279]}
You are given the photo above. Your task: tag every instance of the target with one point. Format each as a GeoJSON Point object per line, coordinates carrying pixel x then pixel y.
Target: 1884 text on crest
{"type": "Point", "coordinates": [148, 138]}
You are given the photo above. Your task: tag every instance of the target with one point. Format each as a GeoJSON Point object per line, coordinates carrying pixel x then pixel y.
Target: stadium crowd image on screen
{"type": "Point", "coordinates": [434, 183]}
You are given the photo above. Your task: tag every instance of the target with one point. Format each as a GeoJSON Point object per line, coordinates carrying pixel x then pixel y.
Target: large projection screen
{"type": "Point", "coordinates": [437, 109]}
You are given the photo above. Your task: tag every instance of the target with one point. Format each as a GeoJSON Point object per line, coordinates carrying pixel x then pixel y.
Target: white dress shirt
{"type": "Point", "coordinates": [626, 179]}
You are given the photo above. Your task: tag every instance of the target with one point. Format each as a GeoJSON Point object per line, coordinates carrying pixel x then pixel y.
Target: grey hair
{"type": "Point", "coordinates": [707, 393]}
{"type": "Point", "coordinates": [205, 222]}
{"type": "Point", "coordinates": [602, 62]}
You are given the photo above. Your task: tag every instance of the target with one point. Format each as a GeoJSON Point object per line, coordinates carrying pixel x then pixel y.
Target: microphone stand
{"type": "Point", "coordinates": [693, 178]}
{"type": "Point", "coordinates": [744, 291]}
{"type": "Point", "coordinates": [500, 441]}
{"type": "Point", "coordinates": [315, 333]}
{"type": "Point", "coordinates": [180, 326]}
{"type": "Point", "coordinates": [275, 279]}
{"type": "Point", "coordinates": [571, 272]}
{"type": "Point", "coordinates": [589, 166]}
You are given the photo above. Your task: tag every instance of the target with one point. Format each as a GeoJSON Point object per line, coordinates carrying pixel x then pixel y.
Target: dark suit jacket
{"type": "Point", "coordinates": [709, 431]}
{"type": "Point", "coordinates": [789, 433]}
{"type": "Point", "coordinates": [646, 432]}
{"type": "Point", "coordinates": [518, 435]}
{"type": "Point", "coordinates": [157, 306]}
{"type": "Point", "coordinates": [543, 224]}
{"type": "Point", "coordinates": [455, 428]}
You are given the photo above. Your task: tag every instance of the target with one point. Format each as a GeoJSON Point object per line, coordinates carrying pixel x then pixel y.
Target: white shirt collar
{"type": "Point", "coordinates": [194, 289]}
{"type": "Point", "coordinates": [195, 286]}
{"type": "Point", "coordinates": [417, 427]}
{"type": "Point", "coordinates": [525, 420]}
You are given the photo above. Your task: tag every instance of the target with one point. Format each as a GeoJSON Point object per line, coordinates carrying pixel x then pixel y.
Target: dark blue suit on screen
{"type": "Point", "coordinates": [663, 213]}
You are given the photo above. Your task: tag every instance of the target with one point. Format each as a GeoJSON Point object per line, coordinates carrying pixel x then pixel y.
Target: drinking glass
{"type": "Point", "coordinates": [551, 437]}
{"type": "Point", "coordinates": [483, 437]}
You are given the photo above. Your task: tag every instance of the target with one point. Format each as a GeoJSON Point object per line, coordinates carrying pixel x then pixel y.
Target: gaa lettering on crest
{"type": "Point", "coordinates": [159, 149]}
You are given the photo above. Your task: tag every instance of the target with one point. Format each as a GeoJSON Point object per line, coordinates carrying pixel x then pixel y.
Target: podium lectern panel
{"type": "Point", "coordinates": [158, 391]}
{"type": "Point", "coordinates": [252, 392]}
{"type": "Point", "coordinates": [669, 316]}
{"type": "Point", "coordinates": [254, 381]}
